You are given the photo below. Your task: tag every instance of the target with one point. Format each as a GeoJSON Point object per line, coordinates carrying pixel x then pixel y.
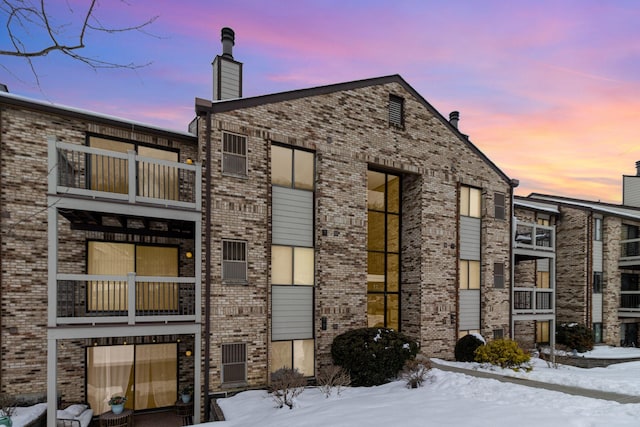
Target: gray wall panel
{"type": "Point", "coordinates": [596, 309]}
{"type": "Point", "coordinates": [469, 309]}
{"type": "Point", "coordinates": [292, 217]}
{"type": "Point", "coordinates": [292, 312]}
{"type": "Point", "coordinates": [470, 238]}
{"type": "Point", "coordinates": [597, 255]}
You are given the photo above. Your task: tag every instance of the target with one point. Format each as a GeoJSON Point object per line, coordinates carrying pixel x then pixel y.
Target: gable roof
{"type": "Point", "coordinates": [203, 106]}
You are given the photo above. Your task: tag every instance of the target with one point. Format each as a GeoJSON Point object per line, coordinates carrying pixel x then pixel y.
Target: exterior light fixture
{"type": "Point", "coordinates": [188, 353]}
{"type": "Point", "coordinates": [189, 254]}
{"type": "Point", "coordinates": [189, 161]}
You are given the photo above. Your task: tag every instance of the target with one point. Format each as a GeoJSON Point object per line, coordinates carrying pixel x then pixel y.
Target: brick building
{"type": "Point", "coordinates": [247, 244]}
{"type": "Point", "coordinates": [598, 264]}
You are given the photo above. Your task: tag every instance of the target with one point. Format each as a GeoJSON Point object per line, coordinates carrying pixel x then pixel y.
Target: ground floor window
{"type": "Point", "coordinates": [295, 354]}
{"type": "Point", "coordinates": [597, 333]}
{"type": "Point", "coordinates": [145, 373]}
{"type": "Point", "coordinates": [629, 334]}
{"type": "Point", "coordinates": [542, 332]}
{"type": "Point", "coordinates": [234, 363]}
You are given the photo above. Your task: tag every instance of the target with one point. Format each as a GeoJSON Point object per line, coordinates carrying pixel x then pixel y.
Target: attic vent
{"type": "Point", "coordinates": [396, 111]}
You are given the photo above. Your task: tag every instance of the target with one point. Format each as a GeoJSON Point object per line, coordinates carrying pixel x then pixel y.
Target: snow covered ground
{"type": "Point", "coordinates": [451, 399]}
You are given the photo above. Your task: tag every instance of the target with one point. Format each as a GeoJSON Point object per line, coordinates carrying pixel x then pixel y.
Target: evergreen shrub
{"type": "Point", "coordinates": [372, 356]}
{"type": "Point", "coordinates": [465, 350]}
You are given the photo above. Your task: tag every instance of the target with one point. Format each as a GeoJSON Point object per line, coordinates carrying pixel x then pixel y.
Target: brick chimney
{"type": "Point", "coordinates": [631, 188]}
{"type": "Point", "coordinates": [227, 72]}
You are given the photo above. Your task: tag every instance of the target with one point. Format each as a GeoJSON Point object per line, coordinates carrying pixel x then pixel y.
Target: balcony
{"type": "Point", "coordinates": [629, 253]}
{"type": "Point", "coordinates": [630, 303]}
{"type": "Point", "coordinates": [532, 241]}
{"type": "Point", "coordinates": [94, 173]}
{"type": "Point", "coordinates": [98, 299]}
{"type": "Point", "coordinates": [532, 301]}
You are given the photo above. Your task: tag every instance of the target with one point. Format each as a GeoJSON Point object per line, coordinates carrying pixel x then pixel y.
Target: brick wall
{"type": "Point", "coordinates": [349, 132]}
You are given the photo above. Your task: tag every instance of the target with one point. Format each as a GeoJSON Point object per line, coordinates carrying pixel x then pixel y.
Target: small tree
{"type": "Point", "coordinates": [286, 385]}
{"type": "Point", "coordinates": [333, 378]}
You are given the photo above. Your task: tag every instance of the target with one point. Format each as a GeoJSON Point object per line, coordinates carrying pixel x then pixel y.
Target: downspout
{"type": "Point", "coordinates": [512, 225]}
{"type": "Point", "coordinates": [589, 283]}
{"type": "Point", "coordinates": [207, 267]}
{"type": "Point", "coordinates": [1, 216]}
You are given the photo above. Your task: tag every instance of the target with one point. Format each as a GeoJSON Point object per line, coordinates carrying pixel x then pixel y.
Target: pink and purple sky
{"type": "Point", "coordinates": [549, 90]}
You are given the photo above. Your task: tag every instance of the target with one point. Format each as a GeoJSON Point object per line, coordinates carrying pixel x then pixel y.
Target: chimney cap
{"type": "Point", "coordinates": [228, 39]}
{"type": "Point", "coordinates": [454, 117]}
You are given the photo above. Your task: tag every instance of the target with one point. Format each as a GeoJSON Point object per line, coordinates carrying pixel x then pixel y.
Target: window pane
{"type": "Point", "coordinates": [393, 311]}
{"type": "Point", "coordinates": [464, 275]}
{"type": "Point", "coordinates": [375, 272]}
{"type": "Point", "coordinates": [156, 180]}
{"type": "Point", "coordinates": [303, 357]}
{"type": "Point", "coordinates": [474, 275]}
{"type": "Point", "coordinates": [375, 310]}
{"type": "Point", "coordinates": [393, 273]}
{"type": "Point", "coordinates": [393, 233]}
{"type": "Point", "coordinates": [155, 372]}
{"type": "Point", "coordinates": [464, 201]}
{"type": "Point", "coordinates": [157, 261]}
{"type": "Point", "coordinates": [499, 205]}
{"type": "Point", "coordinates": [303, 266]}
{"type": "Point", "coordinates": [542, 279]}
{"type": "Point", "coordinates": [474, 202]}
{"type": "Point", "coordinates": [375, 231]}
{"type": "Point", "coordinates": [281, 166]}
{"type": "Point", "coordinates": [281, 265]}
{"type": "Point", "coordinates": [303, 169]}
{"type": "Point", "coordinates": [109, 372]}
{"type": "Point", "coordinates": [107, 258]}
{"type": "Point", "coordinates": [108, 173]}
{"type": "Point", "coordinates": [393, 193]}
{"type": "Point", "coordinates": [375, 193]}
{"type": "Point", "coordinates": [281, 355]}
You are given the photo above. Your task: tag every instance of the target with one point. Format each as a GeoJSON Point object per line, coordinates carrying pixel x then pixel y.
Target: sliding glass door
{"type": "Point", "coordinates": [145, 373]}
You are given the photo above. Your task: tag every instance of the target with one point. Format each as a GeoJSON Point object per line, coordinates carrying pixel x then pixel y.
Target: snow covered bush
{"type": "Point", "coordinates": [372, 356]}
{"type": "Point", "coordinates": [286, 384]}
{"type": "Point", "coordinates": [415, 371]}
{"type": "Point", "coordinates": [333, 378]}
{"type": "Point", "coordinates": [575, 336]}
{"type": "Point", "coordinates": [503, 353]}
{"type": "Point", "coordinates": [465, 350]}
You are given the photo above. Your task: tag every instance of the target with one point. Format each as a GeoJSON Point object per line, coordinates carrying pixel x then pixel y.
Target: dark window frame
{"type": "Point", "coordinates": [396, 111]}
{"type": "Point", "coordinates": [598, 282]}
{"type": "Point", "coordinates": [498, 275]}
{"type": "Point", "coordinates": [235, 280]}
{"type": "Point", "coordinates": [242, 140]}
{"type": "Point", "coordinates": [499, 209]}
{"type": "Point", "coordinates": [243, 351]}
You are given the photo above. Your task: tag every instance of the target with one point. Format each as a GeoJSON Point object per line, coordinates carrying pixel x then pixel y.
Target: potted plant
{"type": "Point", "coordinates": [185, 393]}
{"type": "Point", "coordinates": [7, 406]}
{"type": "Point", "coordinates": [117, 403]}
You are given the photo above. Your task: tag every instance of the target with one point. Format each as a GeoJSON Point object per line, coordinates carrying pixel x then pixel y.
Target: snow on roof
{"type": "Point", "coordinates": [540, 206]}
{"type": "Point", "coordinates": [75, 110]}
{"type": "Point", "coordinates": [620, 210]}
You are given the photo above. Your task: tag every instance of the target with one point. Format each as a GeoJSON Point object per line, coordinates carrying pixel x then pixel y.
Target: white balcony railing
{"type": "Point", "coordinates": [534, 236]}
{"type": "Point", "coordinates": [97, 173]}
{"type": "Point", "coordinates": [533, 301]}
{"type": "Point", "coordinates": [130, 299]}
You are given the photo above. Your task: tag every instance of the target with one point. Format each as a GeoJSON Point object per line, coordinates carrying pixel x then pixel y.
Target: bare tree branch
{"type": "Point", "coordinates": [23, 18]}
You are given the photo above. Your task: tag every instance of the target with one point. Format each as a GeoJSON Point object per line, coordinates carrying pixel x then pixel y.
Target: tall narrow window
{"type": "Point", "coordinates": [597, 333]}
{"type": "Point", "coordinates": [498, 205]}
{"type": "Point", "coordinates": [234, 363]}
{"type": "Point", "coordinates": [543, 279]}
{"type": "Point", "coordinates": [234, 261]}
{"type": "Point", "coordinates": [597, 229]}
{"type": "Point", "coordinates": [396, 111]}
{"type": "Point", "coordinates": [470, 201]}
{"type": "Point", "coordinates": [542, 332]}
{"type": "Point", "coordinates": [234, 154]}
{"type": "Point", "coordinates": [498, 275]}
{"type": "Point", "coordinates": [597, 282]}
{"type": "Point", "coordinates": [469, 274]}
{"type": "Point", "coordinates": [383, 239]}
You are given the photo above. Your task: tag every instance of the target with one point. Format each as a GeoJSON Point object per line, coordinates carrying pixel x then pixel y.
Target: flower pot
{"type": "Point", "coordinates": [186, 398]}
{"type": "Point", "coordinates": [5, 421]}
{"type": "Point", "coordinates": [117, 409]}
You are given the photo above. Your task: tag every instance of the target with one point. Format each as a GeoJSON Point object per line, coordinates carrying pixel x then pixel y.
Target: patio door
{"type": "Point", "coordinates": [145, 373]}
